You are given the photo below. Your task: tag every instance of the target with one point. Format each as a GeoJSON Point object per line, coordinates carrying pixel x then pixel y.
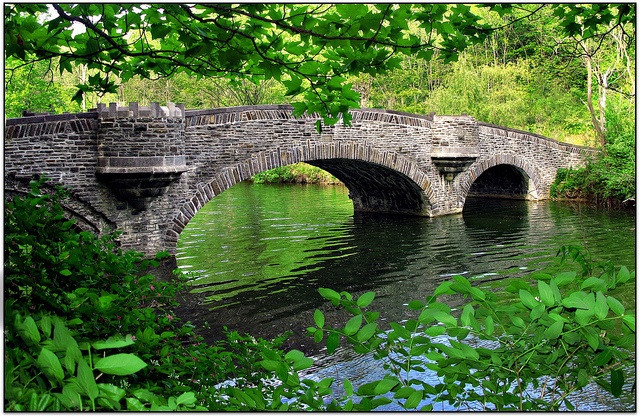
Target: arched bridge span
{"type": "Point", "coordinates": [148, 170]}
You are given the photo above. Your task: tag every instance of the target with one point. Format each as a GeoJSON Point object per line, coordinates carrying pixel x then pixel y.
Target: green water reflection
{"type": "Point", "coordinates": [261, 251]}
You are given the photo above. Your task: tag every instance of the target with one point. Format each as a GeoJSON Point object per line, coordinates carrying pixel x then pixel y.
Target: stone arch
{"type": "Point", "coordinates": [413, 187]}
{"type": "Point", "coordinates": [528, 171]}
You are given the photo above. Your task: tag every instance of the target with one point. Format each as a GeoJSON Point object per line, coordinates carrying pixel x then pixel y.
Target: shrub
{"type": "Point", "coordinates": [71, 298]}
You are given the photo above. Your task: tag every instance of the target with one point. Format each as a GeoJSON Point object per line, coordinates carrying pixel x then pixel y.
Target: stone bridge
{"type": "Point", "coordinates": [148, 170]}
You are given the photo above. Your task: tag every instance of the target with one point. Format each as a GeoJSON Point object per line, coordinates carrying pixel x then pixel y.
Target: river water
{"type": "Point", "coordinates": [259, 253]}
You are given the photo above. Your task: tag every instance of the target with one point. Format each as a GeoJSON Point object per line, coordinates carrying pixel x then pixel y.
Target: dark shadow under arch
{"type": "Point", "coordinates": [374, 188]}
{"type": "Point", "coordinates": [503, 176]}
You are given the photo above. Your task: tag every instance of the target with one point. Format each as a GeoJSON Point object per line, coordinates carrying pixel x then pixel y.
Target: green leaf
{"type": "Point", "coordinates": [414, 400]}
{"type": "Point", "coordinates": [303, 363]}
{"type": "Point", "coordinates": [293, 85]}
{"type": "Point", "coordinates": [366, 332]}
{"type": "Point", "coordinates": [467, 315]}
{"type": "Point", "coordinates": [416, 305]}
{"type": "Point", "coordinates": [404, 392]}
{"type": "Point", "coordinates": [294, 355]}
{"type": "Point", "coordinates": [113, 342]}
{"type": "Point", "coordinates": [435, 331]}
{"type": "Point", "coordinates": [583, 317]}
{"type": "Point", "coordinates": [445, 318]}
{"type": "Point", "coordinates": [365, 299]}
{"type": "Point", "coordinates": [385, 385]}
{"type": "Point", "coordinates": [565, 278]}
{"type": "Point", "coordinates": [615, 305]}
{"type": "Point", "coordinates": [477, 294]}
{"type": "Point", "coordinates": [186, 398]}
{"type": "Point", "coordinates": [329, 294]}
{"type": "Point", "coordinates": [461, 284]}
{"type": "Point", "coordinates": [617, 381]}
{"type": "Point", "coordinates": [583, 378]}
{"type": "Point", "coordinates": [488, 325]}
{"type": "Point", "coordinates": [546, 294]}
{"type": "Point", "coordinates": [630, 321]}
{"type": "Point", "coordinates": [348, 388]}
{"type": "Point", "coordinates": [593, 339]}
{"type": "Point", "coordinates": [579, 300]}
{"type": "Point", "coordinates": [86, 380]}
{"type": "Point", "coordinates": [120, 364]}
{"type": "Point", "coordinates": [352, 326]}
{"type": "Point", "coordinates": [623, 275]}
{"type": "Point", "coordinates": [469, 352]}
{"type": "Point", "coordinates": [554, 330]}
{"type": "Point", "coordinates": [50, 363]}
{"type": "Point", "coordinates": [269, 365]}
{"type": "Point", "coordinates": [333, 340]}
{"type": "Point", "coordinates": [45, 325]}
{"type": "Point", "coordinates": [537, 311]}
{"type": "Point", "coordinates": [517, 321]}
{"type": "Point", "coordinates": [444, 288]}
{"type": "Point", "coordinates": [112, 392]}
{"type": "Point", "coordinates": [133, 404]}
{"type": "Point", "coordinates": [29, 330]}
{"type": "Point", "coordinates": [72, 356]}
{"type": "Point", "coordinates": [318, 318]}
{"type": "Point", "coordinates": [527, 299]}
{"type": "Point", "coordinates": [65, 272]}
{"type": "Point", "coordinates": [62, 337]}
{"type": "Point", "coordinates": [603, 358]}
{"type": "Point", "coordinates": [601, 308]}
{"type": "Point", "coordinates": [596, 284]}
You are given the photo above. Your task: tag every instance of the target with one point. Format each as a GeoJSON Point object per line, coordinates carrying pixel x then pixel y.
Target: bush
{"type": "Point", "coordinates": [71, 298]}
{"type": "Point", "coordinates": [300, 173]}
{"type": "Point", "coordinates": [609, 179]}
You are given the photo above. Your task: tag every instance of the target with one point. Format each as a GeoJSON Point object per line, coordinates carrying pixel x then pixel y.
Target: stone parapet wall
{"type": "Point", "coordinates": [46, 125]}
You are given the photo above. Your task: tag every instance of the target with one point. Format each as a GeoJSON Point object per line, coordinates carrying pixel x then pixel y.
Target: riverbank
{"type": "Point", "coordinates": [300, 173]}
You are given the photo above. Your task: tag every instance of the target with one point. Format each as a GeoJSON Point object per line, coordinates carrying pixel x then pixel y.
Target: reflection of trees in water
{"type": "Point", "coordinates": [401, 258]}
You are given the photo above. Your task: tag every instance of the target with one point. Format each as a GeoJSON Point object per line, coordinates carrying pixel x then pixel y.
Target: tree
{"type": "Point", "coordinates": [32, 89]}
{"type": "Point", "coordinates": [310, 48]}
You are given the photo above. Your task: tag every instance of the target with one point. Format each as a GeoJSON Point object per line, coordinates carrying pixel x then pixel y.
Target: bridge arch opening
{"type": "Point", "coordinates": [395, 187]}
{"type": "Point", "coordinates": [374, 188]}
{"type": "Point", "coordinates": [502, 181]}
{"type": "Point", "coordinates": [501, 177]}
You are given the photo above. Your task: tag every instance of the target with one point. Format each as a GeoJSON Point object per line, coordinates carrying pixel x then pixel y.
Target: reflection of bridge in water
{"type": "Point", "coordinates": [398, 257]}
{"type": "Point", "coordinates": [148, 170]}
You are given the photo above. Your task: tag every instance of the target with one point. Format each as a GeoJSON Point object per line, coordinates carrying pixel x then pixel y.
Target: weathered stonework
{"type": "Point", "coordinates": [148, 170]}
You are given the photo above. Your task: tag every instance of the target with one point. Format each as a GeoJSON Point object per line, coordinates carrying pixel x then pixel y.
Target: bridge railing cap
{"type": "Point", "coordinates": [134, 110]}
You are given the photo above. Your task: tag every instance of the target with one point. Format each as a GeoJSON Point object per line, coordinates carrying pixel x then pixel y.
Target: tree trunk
{"type": "Point", "coordinates": [594, 118]}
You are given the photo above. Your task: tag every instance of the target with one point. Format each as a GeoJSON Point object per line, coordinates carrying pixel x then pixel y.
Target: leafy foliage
{"type": "Point", "coordinates": [311, 49]}
{"type": "Point", "coordinates": [87, 329]}
{"type": "Point", "coordinates": [530, 355]}
{"type": "Point", "coordinates": [610, 178]}
{"type": "Point", "coordinates": [295, 173]}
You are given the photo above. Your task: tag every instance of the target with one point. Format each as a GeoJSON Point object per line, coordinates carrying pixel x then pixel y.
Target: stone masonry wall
{"type": "Point", "coordinates": [172, 161]}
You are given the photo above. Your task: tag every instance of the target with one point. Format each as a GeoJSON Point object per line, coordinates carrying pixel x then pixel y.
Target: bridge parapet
{"type": "Point", "coordinates": [148, 170]}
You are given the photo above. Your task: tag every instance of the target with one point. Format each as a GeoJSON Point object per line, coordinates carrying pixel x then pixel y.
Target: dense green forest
{"type": "Point", "coordinates": [88, 328]}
